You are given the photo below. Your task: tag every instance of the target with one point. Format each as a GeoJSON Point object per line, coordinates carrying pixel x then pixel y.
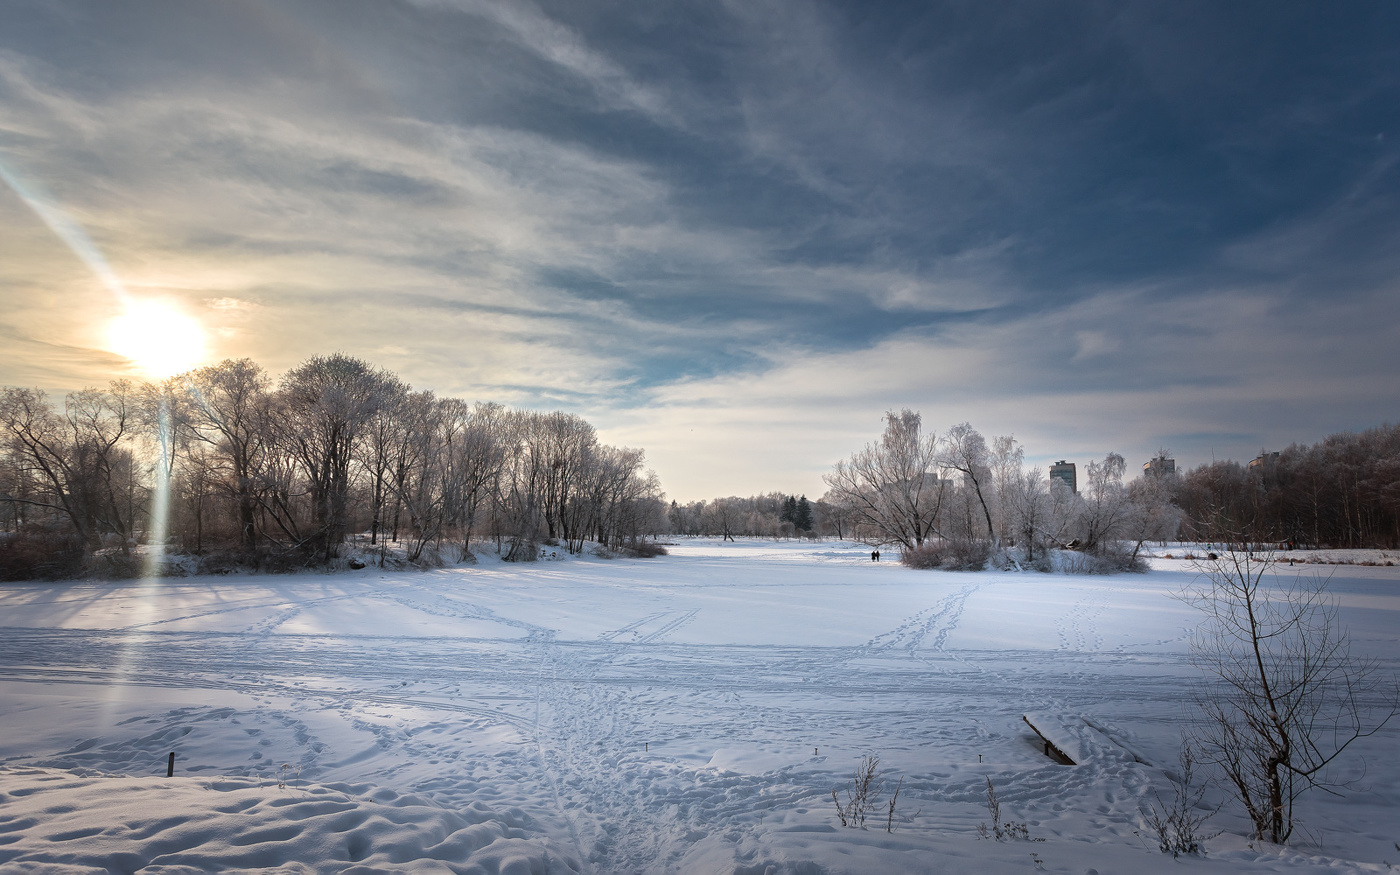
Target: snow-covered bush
{"type": "Point", "coordinates": [1109, 558]}
{"type": "Point", "coordinates": [967, 554]}
{"type": "Point", "coordinates": [926, 555]}
{"type": "Point", "coordinates": [958, 554]}
{"type": "Point", "coordinates": [643, 549]}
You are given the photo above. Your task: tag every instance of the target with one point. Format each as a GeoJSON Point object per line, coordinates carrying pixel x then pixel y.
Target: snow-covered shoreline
{"type": "Point", "coordinates": [686, 713]}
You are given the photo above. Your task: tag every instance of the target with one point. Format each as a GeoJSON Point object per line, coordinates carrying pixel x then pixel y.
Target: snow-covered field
{"type": "Point", "coordinates": [689, 713]}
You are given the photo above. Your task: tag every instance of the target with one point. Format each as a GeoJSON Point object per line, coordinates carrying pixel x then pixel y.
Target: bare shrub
{"type": "Point", "coordinates": [862, 794]}
{"type": "Point", "coordinates": [221, 562]}
{"type": "Point", "coordinates": [893, 803]}
{"type": "Point", "coordinates": [957, 554]}
{"type": "Point", "coordinates": [643, 549]}
{"type": "Point", "coordinates": [1110, 558]}
{"type": "Point", "coordinates": [41, 555]}
{"type": "Point", "coordinates": [429, 557]}
{"type": "Point", "coordinates": [279, 561]}
{"type": "Point", "coordinates": [967, 554]}
{"type": "Point", "coordinates": [927, 555]}
{"type": "Point", "coordinates": [522, 551]}
{"type": "Point", "coordinates": [113, 564]}
{"type": "Point", "coordinates": [1044, 562]}
{"type": "Point", "coordinates": [1178, 824]}
{"type": "Point", "coordinates": [1002, 830]}
{"type": "Point", "coordinates": [1116, 557]}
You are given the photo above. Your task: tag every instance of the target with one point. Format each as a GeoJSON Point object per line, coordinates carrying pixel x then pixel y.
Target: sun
{"type": "Point", "coordinates": [160, 339]}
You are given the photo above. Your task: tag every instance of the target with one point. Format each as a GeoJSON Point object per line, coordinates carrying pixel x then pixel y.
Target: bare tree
{"type": "Point", "coordinates": [474, 462]}
{"type": "Point", "coordinates": [226, 407]}
{"type": "Point", "coordinates": [518, 495]}
{"type": "Point", "coordinates": [833, 515]}
{"type": "Point", "coordinates": [340, 443]}
{"type": "Point", "coordinates": [420, 465]}
{"type": "Point", "coordinates": [722, 516]}
{"type": "Point", "coordinates": [1284, 697]}
{"type": "Point", "coordinates": [1026, 504]}
{"type": "Point", "coordinates": [1151, 515]}
{"type": "Point", "coordinates": [966, 453]}
{"type": "Point", "coordinates": [385, 439]}
{"type": "Point", "coordinates": [329, 401]}
{"type": "Point", "coordinates": [892, 487]}
{"type": "Point", "coordinates": [81, 459]}
{"type": "Point", "coordinates": [568, 445]}
{"type": "Point", "coordinates": [1103, 507]}
{"type": "Point", "coordinates": [1006, 461]}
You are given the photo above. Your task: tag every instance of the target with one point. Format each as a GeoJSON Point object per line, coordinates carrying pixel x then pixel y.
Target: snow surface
{"type": "Point", "coordinates": [689, 713]}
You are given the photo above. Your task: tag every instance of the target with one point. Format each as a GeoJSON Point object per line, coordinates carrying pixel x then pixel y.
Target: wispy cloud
{"type": "Point", "coordinates": [767, 222]}
{"type": "Point", "coordinates": [565, 47]}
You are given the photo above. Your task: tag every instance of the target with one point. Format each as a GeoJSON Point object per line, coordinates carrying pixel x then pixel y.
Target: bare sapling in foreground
{"type": "Point", "coordinates": [1283, 696]}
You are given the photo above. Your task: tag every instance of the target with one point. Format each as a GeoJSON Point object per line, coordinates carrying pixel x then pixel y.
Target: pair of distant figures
{"type": "Point", "coordinates": [875, 556]}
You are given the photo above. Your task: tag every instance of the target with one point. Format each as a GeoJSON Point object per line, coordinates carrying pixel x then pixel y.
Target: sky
{"type": "Point", "coordinates": [734, 234]}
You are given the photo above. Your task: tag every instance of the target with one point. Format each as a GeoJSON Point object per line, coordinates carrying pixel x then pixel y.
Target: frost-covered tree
{"type": "Point", "coordinates": [722, 516]}
{"type": "Point", "coordinates": [328, 403]}
{"type": "Point", "coordinates": [892, 487]}
{"type": "Point", "coordinates": [1104, 508]}
{"type": "Point", "coordinates": [79, 462]}
{"type": "Point", "coordinates": [1027, 509]}
{"type": "Point", "coordinates": [227, 408]}
{"type": "Point", "coordinates": [1151, 514]}
{"type": "Point", "coordinates": [965, 451]}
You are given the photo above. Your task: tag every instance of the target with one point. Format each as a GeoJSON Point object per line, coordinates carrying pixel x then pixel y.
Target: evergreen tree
{"type": "Point", "coordinates": [802, 515]}
{"type": "Point", "coordinates": [789, 514]}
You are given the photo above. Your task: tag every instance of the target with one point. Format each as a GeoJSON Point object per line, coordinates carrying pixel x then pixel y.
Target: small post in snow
{"type": "Point", "coordinates": [170, 766]}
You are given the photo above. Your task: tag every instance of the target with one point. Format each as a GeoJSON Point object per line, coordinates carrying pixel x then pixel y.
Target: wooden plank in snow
{"type": "Point", "coordinates": [1051, 750]}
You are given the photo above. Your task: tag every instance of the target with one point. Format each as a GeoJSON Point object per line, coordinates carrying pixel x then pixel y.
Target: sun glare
{"type": "Point", "coordinates": [160, 339]}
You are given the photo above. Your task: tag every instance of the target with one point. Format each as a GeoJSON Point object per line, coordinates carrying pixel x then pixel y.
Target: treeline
{"type": "Point", "coordinates": [772, 515]}
{"type": "Point", "coordinates": [223, 462]}
{"type": "Point", "coordinates": [1341, 492]}
{"type": "Point", "coordinates": [954, 501]}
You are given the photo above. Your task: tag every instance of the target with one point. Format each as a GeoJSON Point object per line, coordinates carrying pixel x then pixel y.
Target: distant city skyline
{"type": "Point", "coordinates": [734, 234]}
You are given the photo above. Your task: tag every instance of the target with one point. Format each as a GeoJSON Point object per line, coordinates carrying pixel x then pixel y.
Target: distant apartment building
{"type": "Point", "coordinates": [1263, 459]}
{"type": "Point", "coordinates": [1159, 467]}
{"type": "Point", "coordinates": [1064, 472]}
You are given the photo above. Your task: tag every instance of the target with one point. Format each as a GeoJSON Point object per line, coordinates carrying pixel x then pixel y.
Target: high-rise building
{"type": "Point", "coordinates": [1159, 467]}
{"type": "Point", "coordinates": [1265, 458]}
{"type": "Point", "coordinates": [1064, 471]}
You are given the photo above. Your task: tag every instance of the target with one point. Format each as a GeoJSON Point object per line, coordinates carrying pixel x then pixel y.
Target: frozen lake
{"type": "Point", "coordinates": [686, 713]}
